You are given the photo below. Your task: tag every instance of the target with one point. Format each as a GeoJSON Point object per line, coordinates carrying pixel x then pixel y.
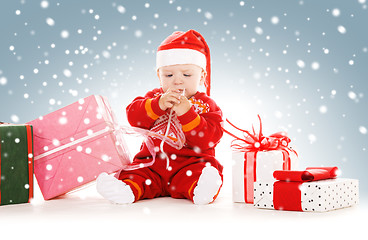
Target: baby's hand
{"type": "Point", "coordinates": [183, 106]}
{"type": "Point", "coordinates": [169, 99]}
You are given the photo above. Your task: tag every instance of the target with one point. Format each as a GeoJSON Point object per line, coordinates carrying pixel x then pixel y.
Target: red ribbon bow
{"type": "Point", "coordinates": [258, 142]}
{"type": "Point", "coordinates": [310, 174]}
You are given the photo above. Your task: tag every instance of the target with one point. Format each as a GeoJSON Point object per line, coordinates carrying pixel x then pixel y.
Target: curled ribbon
{"type": "Point", "coordinates": [258, 142]}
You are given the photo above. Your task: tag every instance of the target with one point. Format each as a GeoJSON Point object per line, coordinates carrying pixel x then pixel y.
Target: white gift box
{"type": "Point", "coordinates": [316, 196]}
{"type": "Point", "coordinates": [266, 163]}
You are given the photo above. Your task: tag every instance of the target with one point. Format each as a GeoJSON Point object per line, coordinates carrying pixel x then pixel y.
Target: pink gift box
{"type": "Point", "coordinates": [74, 144]}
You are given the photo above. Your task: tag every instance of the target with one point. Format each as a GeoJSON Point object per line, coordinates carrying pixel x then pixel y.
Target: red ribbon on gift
{"type": "Point", "coordinates": [310, 174]}
{"type": "Point", "coordinates": [286, 191]}
{"type": "Point", "coordinates": [251, 144]}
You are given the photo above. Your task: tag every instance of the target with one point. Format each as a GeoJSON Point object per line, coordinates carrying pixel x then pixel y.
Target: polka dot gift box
{"type": "Point", "coordinates": [312, 190]}
{"type": "Point", "coordinates": [16, 164]}
{"type": "Point", "coordinates": [74, 144]}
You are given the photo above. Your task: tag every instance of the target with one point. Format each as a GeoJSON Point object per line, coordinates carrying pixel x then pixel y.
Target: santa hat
{"type": "Point", "coordinates": [185, 48]}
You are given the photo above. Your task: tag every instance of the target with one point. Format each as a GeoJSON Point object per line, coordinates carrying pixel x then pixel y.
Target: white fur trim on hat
{"type": "Point", "coordinates": [180, 56]}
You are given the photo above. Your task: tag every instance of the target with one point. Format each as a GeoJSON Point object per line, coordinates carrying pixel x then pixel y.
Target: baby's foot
{"type": "Point", "coordinates": [208, 186]}
{"type": "Point", "coordinates": [114, 190]}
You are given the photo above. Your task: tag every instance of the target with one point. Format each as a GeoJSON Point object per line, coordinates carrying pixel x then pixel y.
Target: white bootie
{"type": "Point", "coordinates": [114, 190]}
{"type": "Point", "coordinates": [208, 186]}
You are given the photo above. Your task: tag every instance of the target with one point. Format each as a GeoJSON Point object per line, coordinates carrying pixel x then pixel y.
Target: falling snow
{"type": "Point", "coordinates": [315, 65]}
{"type": "Point", "coordinates": [275, 20]}
{"type": "Point", "coordinates": [363, 130]}
{"type": "Point", "coordinates": [335, 12]}
{"type": "Point", "coordinates": [258, 30]}
{"type": "Point", "coordinates": [323, 109]}
{"type": "Point", "coordinates": [299, 72]}
{"type": "Point", "coordinates": [341, 29]}
{"type": "Point", "coordinates": [64, 34]}
{"type": "Point", "coordinates": [208, 15]}
{"type": "Point", "coordinates": [14, 118]}
{"type": "Point", "coordinates": [312, 138]}
{"type": "Point", "coordinates": [50, 21]}
{"type": "Point", "coordinates": [3, 81]}
{"type": "Point", "coordinates": [44, 4]}
{"type": "Point", "coordinates": [300, 63]}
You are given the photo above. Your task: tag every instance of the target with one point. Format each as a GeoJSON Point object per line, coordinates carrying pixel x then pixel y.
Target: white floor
{"type": "Point", "coordinates": [86, 215]}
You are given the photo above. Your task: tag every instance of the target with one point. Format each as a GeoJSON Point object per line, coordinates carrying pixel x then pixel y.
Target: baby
{"type": "Point", "coordinates": [180, 112]}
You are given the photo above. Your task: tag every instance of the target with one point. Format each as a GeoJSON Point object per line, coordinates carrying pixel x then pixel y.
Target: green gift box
{"type": "Point", "coordinates": [16, 163]}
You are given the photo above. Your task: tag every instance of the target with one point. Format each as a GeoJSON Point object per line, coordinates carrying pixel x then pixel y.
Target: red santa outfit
{"type": "Point", "coordinates": [201, 126]}
{"type": "Point", "coordinates": [193, 168]}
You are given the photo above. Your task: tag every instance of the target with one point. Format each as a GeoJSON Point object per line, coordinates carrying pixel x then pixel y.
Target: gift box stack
{"type": "Point", "coordinates": [265, 173]}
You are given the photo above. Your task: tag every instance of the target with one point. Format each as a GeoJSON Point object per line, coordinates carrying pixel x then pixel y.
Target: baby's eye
{"type": "Point", "coordinates": [187, 75]}
{"type": "Point", "coordinates": [169, 75]}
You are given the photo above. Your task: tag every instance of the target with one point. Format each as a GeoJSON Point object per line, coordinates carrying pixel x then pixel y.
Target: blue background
{"type": "Point", "coordinates": [288, 61]}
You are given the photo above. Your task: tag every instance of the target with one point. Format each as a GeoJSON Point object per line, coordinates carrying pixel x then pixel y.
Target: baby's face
{"type": "Point", "coordinates": [180, 77]}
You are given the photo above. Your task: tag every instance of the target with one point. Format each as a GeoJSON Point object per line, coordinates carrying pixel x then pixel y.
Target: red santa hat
{"type": "Point", "coordinates": [185, 48]}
